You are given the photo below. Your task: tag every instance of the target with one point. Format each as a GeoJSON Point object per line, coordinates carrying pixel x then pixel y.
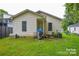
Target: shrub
{"type": "Point", "coordinates": [58, 35]}
{"type": "Point", "coordinates": [16, 36]}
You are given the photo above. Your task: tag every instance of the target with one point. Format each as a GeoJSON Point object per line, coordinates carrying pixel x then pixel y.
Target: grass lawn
{"type": "Point", "coordinates": [68, 45]}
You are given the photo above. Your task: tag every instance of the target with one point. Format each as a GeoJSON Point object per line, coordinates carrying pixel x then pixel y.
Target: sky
{"type": "Point", "coordinates": [53, 7]}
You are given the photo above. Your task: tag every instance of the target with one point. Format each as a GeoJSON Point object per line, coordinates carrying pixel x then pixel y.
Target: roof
{"type": "Point", "coordinates": [48, 14]}
{"type": "Point", "coordinates": [24, 11]}
{"type": "Point", "coordinates": [74, 25]}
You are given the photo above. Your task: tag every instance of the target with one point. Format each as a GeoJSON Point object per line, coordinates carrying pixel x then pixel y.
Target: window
{"type": "Point", "coordinates": [49, 26]}
{"type": "Point", "coordinates": [6, 20]}
{"type": "Point", "coordinates": [10, 20]}
{"type": "Point", "coordinates": [10, 29]}
{"type": "Point", "coordinates": [24, 26]}
{"type": "Point", "coordinates": [74, 29]}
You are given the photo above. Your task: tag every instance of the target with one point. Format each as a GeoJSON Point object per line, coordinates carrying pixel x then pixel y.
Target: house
{"type": "Point", "coordinates": [5, 25]}
{"type": "Point", "coordinates": [27, 22]}
{"type": "Point", "coordinates": [53, 23]}
{"type": "Point", "coordinates": [74, 28]}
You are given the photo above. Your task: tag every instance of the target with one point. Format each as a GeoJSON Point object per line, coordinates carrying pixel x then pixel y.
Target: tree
{"type": "Point", "coordinates": [71, 15]}
{"type": "Point", "coordinates": [2, 12]}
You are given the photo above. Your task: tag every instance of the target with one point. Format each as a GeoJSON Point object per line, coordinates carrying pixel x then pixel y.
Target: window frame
{"type": "Point", "coordinates": [24, 26]}
{"type": "Point", "coordinates": [10, 29]}
{"type": "Point", "coordinates": [49, 26]}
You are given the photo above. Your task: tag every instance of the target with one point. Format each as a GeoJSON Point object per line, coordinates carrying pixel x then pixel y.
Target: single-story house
{"type": "Point", "coordinates": [74, 28]}
{"type": "Point", "coordinates": [27, 22]}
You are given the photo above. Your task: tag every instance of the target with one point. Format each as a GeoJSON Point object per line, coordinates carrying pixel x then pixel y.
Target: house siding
{"type": "Point", "coordinates": [71, 30]}
{"type": "Point", "coordinates": [4, 31]}
{"type": "Point", "coordinates": [56, 24]}
{"type": "Point", "coordinates": [31, 24]}
{"type": "Point", "coordinates": [6, 16]}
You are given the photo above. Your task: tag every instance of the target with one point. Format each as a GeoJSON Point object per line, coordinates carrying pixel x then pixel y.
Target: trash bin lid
{"type": "Point", "coordinates": [39, 30]}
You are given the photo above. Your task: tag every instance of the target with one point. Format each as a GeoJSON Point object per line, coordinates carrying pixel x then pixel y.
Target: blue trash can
{"type": "Point", "coordinates": [40, 33]}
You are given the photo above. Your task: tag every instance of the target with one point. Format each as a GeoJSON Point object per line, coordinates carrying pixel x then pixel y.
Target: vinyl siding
{"type": "Point", "coordinates": [71, 29]}
{"type": "Point", "coordinates": [31, 24]}
{"type": "Point", "coordinates": [56, 24]}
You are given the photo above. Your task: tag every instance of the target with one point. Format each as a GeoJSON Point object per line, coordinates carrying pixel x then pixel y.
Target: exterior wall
{"type": "Point", "coordinates": [7, 20]}
{"type": "Point", "coordinates": [10, 24]}
{"type": "Point", "coordinates": [31, 24]}
{"type": "Point", "coordinates": [71, 30]}
{"type": "Point", "coordinates": [56, 24]}
{"type": "Point", "coordinates": [6, 16]}
{"type": "Point", "coordinates": [3, 31]}
{"type": "Point", "coordinates": [4, 28]}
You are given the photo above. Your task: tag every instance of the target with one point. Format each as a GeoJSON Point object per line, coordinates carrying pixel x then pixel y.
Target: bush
{"type": "Point", "coordinates": [16, 36]}
{"type": "Point", "coordinates": [55, 34]}
{"type": "Point", "coordinates": [67, 32]}
{"type": "Point", "coordinates": [58, 35]}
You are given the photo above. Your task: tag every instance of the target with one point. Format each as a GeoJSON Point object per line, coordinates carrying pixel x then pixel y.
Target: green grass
{"type": "Point", "coordinates": [67, 46]}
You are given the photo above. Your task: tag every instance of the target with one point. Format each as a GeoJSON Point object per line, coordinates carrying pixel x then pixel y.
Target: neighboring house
{"type": "Point", "coordinates": [5, 25]}
{"type": "Point", "coordinates": [74, 28]}
{"type": "Point", "coordinates": [27, 22]}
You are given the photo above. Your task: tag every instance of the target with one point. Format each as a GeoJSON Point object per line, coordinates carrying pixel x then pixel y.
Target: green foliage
{"type": "Point", "coordinates": [71, 15]}
{"type": "Point", "coordinates": [64, 24]}
{"type": "Point", "coordinates": [2, 12]}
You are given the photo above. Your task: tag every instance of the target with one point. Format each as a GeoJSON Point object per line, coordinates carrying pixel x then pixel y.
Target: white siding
{"type": "Point", "coordinates": [71, 29]}
{"type": "Point", "coordinates": [56, 23]}
{"type": "Point", "coordinates": [31, 24]}
{"type": "Point", "coordinates": [7, 16]}
{"type": "Point", "coordinates": [10, 24]}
